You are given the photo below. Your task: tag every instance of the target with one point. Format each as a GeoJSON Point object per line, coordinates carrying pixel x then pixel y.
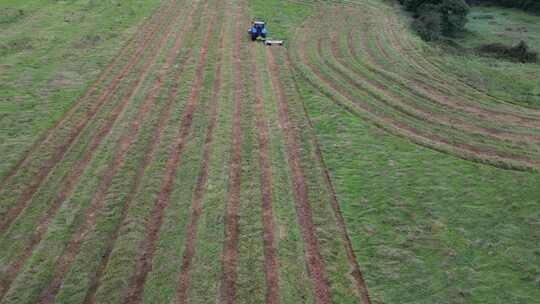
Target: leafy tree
{"type": "Point", "coordinates": [429, 25]}
{"type": "Point", "coordinates": [438, 18]}
{"type": "Point", "coordinates": [454, 16]}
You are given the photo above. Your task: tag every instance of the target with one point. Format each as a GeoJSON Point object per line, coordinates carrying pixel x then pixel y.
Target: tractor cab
{"type": "Point", "coordinates": [258, 29]}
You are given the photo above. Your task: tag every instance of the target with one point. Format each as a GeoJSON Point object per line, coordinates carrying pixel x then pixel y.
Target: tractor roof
{"type": "Point", "coordinates": [258, 22]}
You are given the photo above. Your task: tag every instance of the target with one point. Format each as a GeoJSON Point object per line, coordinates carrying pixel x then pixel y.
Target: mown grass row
{"type": "Point", "coordinates": [57, 179]}
{"type": "Point", "coordinates": [295, 285]}
{"type": "Point", "coordinates": [411, 50]}
{"type": "Point", "coordinates": [207, 269]}
{"type": "Point", "coordinates": [21, 234]}
{"type": "Point", "coordinates": [48, 61]}
{"type": "Point", "coordinates": [64, 223]}
{"type": "Point", "coordinates": [423, 120]}
{"type": "Point", "coordinates": [131, 239]}
{"type": "Point", "coordinates": [80, 111]}
{"type": "Point", "coordinates": [72, 136]}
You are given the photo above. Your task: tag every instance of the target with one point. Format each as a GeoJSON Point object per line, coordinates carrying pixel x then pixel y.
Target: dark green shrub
{"type": "Point", "coordinates": [454, 16]}
{"type": "Point", "coordinates": [519, 52]}
{"type": "Point", "coordinates": [437, 18]}
{"type": "Point", "coordinates": [429, 25]}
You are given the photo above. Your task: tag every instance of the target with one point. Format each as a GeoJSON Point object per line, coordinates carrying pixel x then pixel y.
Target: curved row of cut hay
{"type": "Point", "coordinates": [364, 59]}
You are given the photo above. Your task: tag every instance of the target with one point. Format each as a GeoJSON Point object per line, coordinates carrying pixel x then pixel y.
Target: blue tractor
{"type": "Point", "coordinates": [257, 30]}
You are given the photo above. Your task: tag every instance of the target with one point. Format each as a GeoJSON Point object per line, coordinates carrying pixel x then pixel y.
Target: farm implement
{"type": "Point", "coordinates": [258, 31]}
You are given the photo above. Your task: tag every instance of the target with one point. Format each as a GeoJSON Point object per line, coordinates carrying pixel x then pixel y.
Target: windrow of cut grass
{"type": "Point", "coordinates": [184, 276]}
{"type": "Point", "coordinates": [70, 134]}
{"type": "Point", "coordinates": [267, 216]}
{"type": "Point", "coordinates": [50, 54]}
{"type": "Point", "coordinates": [294, 282]}
{"type": "Point", "coordinates": [228, 290]}
{"type": "Point", "coordinates": [125, 142]}
{"type": "Point", "coordinates": [251, 284]}
{"type": "Point", "coordinates": [170, 210]}
{"type": "Point", "coordinates": [151, 229]}
{"type": "Point", "coordinates": [369, 73]}
{"type": "Point", "coordinates": [99, 160]}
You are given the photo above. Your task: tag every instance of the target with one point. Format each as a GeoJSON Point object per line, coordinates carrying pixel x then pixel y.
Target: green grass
{"type": "Point", "coordinates": [49, 55]}
{"type": "Point", "coordinates": [426, 227]}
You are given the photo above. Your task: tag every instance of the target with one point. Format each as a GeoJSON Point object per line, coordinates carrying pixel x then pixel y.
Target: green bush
{"type": "Point", "coordinates": [454, 16]}
{"type": "Point", "coordinates": [437, 18]}
{"type": "Point", "coordinates": [429, 25]}
{"type": "Point", "coordinates": [519, 52]}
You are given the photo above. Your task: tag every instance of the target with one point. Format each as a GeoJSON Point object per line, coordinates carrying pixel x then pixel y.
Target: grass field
{"type": "Point", "coordinates": [179, 162]}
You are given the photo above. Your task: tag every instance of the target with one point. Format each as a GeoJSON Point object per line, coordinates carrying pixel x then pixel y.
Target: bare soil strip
{"type": "Point", "coordinates": [48, 294]}
{"type": "Point", "coordinates": [73, 178]}
{"type": "Point", "coordinates": [143, 266]}
{"type": "Point", "coordinates": [184, 277]}
{"type": "Point", "coordinates": [27, 194]}
{"type": "Point", "coordinates": [230, 246]}
{"type": "Point", "coordinates": [270, 256]}
{"type": "Point", "coordinates": [123, 52]}
{"type": "Point", "coordinates": [148, 156]}
{"type": "Point", "coordinates": [315, 263]}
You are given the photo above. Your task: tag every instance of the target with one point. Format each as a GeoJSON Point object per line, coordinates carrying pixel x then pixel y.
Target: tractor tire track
{"type": "Point", "coordinates": [91, 90]}
{"type": "Point", "coordinates": [64, 262]}
{"type": "Point", "coordinates": [269, 249]}
{"type": "Point", "coordinates": [143, 265]}
{"type": "Point", "coordinates": [28, 193]}
{"type": "Point", "coordinates": [231, 231]}
{"type": "Point", "coordinates": [72, 180]}
{"type": "Point", "coordinates": [184, 277]}
{"type": "Point", "coordinates": [148, 156]}
{"type": "Point", "coordinates": [313, 257]}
